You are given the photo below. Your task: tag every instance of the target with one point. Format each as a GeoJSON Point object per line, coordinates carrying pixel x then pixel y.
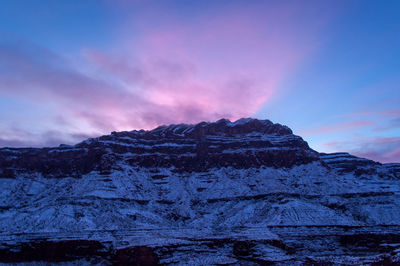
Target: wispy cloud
{"type": "Point", "coordinates": [18, 137]}
{"type": "Point", "coordinates": [343, 126]}
{"type": "Point", "coordinates": [373, 113]}
{"type": "Point", "coordinates": [392, 124]}
{"type": "Point", "coordinates": [381, 149]}
{"type": "Point", "coordinates": [227, 63]}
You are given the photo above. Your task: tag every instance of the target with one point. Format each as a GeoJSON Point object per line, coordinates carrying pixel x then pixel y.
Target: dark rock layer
{"type": "Point", "coordinates": [242, 144]}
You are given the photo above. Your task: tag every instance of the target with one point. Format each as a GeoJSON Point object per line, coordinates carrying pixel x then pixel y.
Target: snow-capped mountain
{"type": "Point", "coordinates": [244, 192]}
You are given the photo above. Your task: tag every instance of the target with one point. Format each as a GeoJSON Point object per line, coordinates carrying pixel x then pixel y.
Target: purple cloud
{"type": "Point", "coordinates": [227, 63]}
{"type": "Point", "coordinates": [381, 149]}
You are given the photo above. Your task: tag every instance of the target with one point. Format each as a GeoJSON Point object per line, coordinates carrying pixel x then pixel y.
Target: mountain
{"type": "Point", "coordinates": [247, 192]}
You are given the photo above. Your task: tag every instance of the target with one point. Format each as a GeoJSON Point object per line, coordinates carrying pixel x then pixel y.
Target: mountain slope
{"type": "Point", "coordinates": [222, 192]}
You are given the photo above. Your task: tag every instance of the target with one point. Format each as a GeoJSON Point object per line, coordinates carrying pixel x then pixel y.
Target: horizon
{"type": "Point", "coordinates": [329, 71]}
{"type": "Point", "coordinates": [167, 125]}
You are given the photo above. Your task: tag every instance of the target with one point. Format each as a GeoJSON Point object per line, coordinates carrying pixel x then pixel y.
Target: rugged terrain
{"type": "Point", "coordinates": [245, 192]}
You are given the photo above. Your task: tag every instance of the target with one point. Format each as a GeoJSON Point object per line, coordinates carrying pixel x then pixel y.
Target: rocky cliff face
{"type": "Point", "coordinates": [225, 192]}
{"type": "Point", "coordinates": [186, 148]}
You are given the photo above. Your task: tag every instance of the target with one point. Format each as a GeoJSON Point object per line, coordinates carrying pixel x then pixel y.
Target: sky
{"type": "Point", "coordinates": [330, 70]}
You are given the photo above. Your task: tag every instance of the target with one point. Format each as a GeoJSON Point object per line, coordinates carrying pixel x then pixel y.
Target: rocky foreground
{"type": "Point", "coordinates": [245, 192]}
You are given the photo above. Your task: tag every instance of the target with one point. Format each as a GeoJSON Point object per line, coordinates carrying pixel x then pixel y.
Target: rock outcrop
{"type": "Point", "coordinates": [243, 144]}
{"type": "Point", "coordinates": [247, 192]}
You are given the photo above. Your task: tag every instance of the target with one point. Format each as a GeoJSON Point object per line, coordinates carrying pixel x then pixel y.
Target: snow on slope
{"type": "Point", "coordinates": [236, 180]}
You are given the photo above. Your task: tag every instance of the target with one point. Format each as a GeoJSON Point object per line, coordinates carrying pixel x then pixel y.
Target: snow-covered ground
{"type": "Point", "coordinates": [230, 214]}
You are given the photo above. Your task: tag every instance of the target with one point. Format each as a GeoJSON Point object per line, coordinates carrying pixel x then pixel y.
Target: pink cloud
{"type": "Point", "coordinates": [381, 149]}
{"type": "Point", "coordinates": [379, 120]}
{"type": "Point", "coordinates": [345, 126]}
{"type": "Point", "coordinates": [390, 157]}
{"type": "Point", "coordinates": [379, 113]}
{"type": "Point", "coordinates": [226, 63]}
{"type": "Point", "coordinates": [392, 124]}
{"type": "Point", "coordinates": [19, 137]}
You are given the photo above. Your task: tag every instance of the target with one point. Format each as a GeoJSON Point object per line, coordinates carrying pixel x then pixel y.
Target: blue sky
{"type": "Point", "coordinates": [327, 69]}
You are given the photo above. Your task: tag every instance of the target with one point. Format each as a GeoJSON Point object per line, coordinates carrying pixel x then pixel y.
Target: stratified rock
{"type": "Point", "coordinates": [244, 192]}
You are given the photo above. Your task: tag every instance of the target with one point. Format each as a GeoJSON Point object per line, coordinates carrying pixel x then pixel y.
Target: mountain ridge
{"type": "Point", "coordinates": [244, 143]}
{"type": "Point", "coordinates": [241, 192]}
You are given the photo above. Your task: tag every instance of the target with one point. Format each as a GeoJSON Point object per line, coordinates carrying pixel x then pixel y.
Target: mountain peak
{"type": "Point", "coordinates": [239, 189]}
{"type": "Point", "coordinates": [222, 127]}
